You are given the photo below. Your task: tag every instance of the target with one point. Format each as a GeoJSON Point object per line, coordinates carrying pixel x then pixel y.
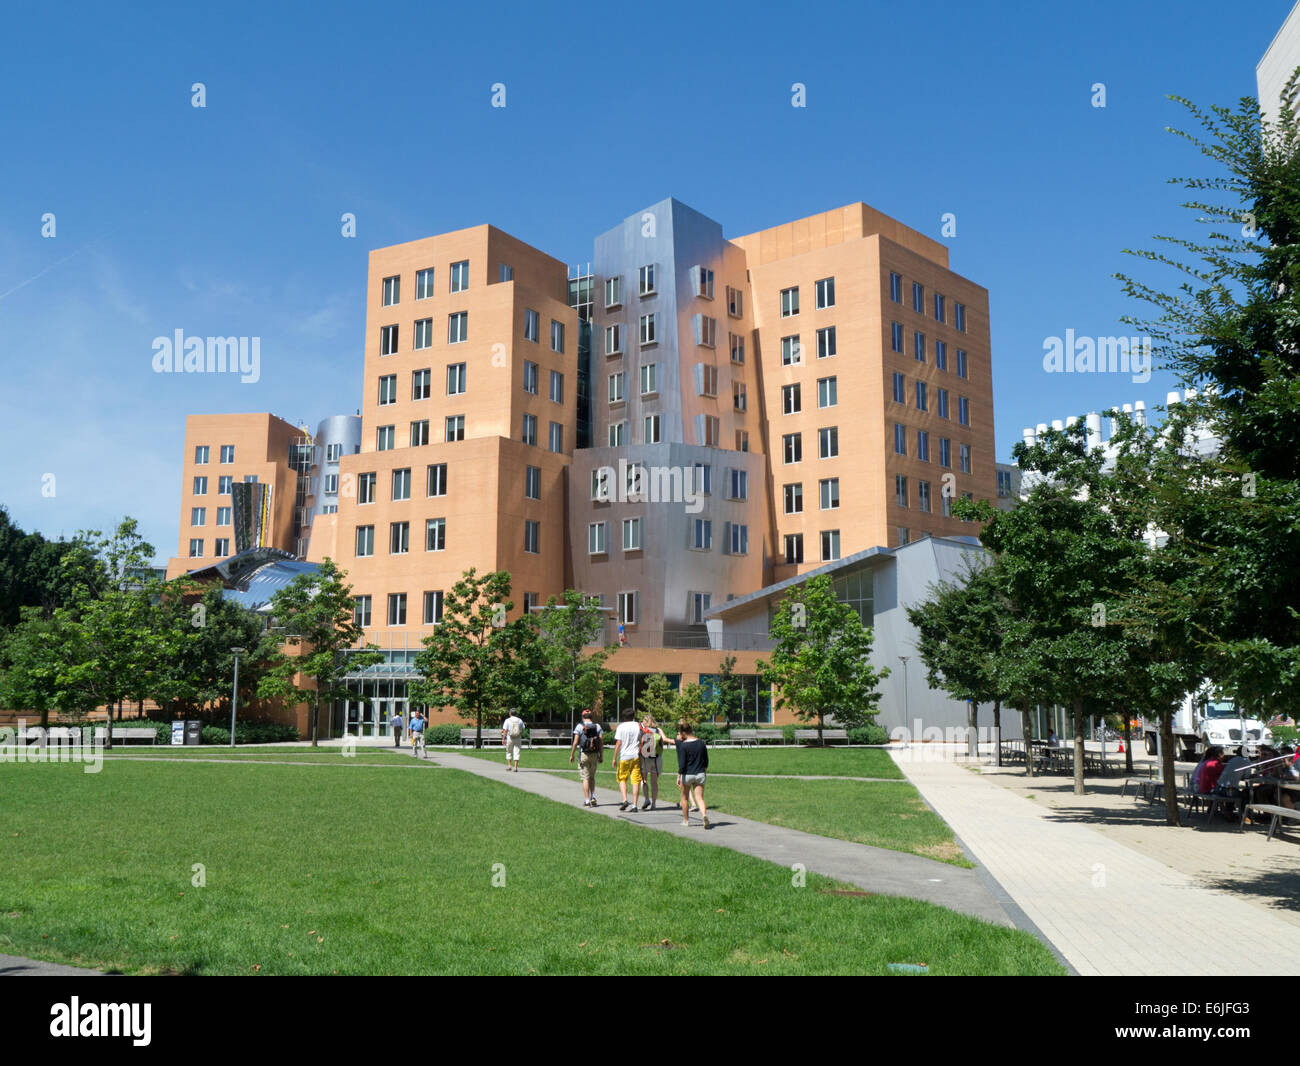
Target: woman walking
{"type": "Point", "coordinates": [692, 764]}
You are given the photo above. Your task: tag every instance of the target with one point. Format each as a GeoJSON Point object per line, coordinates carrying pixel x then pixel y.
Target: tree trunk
{"type": "Point", "coordinates": [478, 725]}
{"type": "Point", "coordinates": [997, 731]}
{"type": "Point", "coordinates": [1128, 743]}
{"type": "Point", "coordinates": [972, 738]}
{"type": "Point", "coordinates": [1028, 742]}
{"type": "Point", "coordinates": [821, 740]}
{"type": "Point", "coordinates": [315, 722]}
{"type": "Point", "coordinates": [1077, 718]}
{"type": "Point", "coordinates": [1167, 772]}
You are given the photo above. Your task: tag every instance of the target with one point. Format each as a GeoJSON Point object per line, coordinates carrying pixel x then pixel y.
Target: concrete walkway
{"type": "Point", "coordinates": [879, 870]}
{"type": "Point", "coordinates": [16, 966]}
{"type": "Point", "coordinates": [1108, 909]}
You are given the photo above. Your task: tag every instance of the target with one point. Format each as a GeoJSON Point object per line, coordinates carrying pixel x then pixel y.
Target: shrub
{"type": "Point", "coordinates": [868, 734]}
{"type": "Point", "coordinates": [787, 731]}
{"type": "Point", "coordinates": [711, 733]}
{"type": "Point", "coordinates": [214, 734]}
{"type": "Point", "coordinates": [446, 733]}
{"type": "Point", "coordinates": [1285, 734]}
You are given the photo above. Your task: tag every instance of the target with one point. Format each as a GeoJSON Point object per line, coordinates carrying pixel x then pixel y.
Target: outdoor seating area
{"type": "Point", "coordinates": [1059, 758]}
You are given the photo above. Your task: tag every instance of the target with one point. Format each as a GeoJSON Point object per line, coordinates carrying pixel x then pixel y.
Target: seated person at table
{"type": "Point", "coordinates": [1051, 738]}
{"type": "Point", "coordinates": [1281, 766]}
{"type": "Point", "coordinates": [1212, 755]}
{"type": "Point", "coordinates": [1229, 783]}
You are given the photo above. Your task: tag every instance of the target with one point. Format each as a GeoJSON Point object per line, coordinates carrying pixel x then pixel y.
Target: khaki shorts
{"type": "Point", "coordinates": [587, 762]}
{"type": "Point", "coordinates": [630, 769]}
{"type": "Point", "coordinates": [653, 765]}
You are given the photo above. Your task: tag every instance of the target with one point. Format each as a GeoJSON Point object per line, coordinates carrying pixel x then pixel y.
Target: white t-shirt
{"type": "Point", "coordinates": [628, 738]}
{"type": "Point", "coordinates": [505, 726]}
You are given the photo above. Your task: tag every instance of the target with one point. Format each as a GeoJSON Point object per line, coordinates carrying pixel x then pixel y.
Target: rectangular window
{"type": "Point", "coordinates": [505, 272]}
{"type": "Point", "coordinates": [923, 496]}
{"type": "Point", "coordinates": [649, 329]}
{"type": "Point", "coordinates": [397, 608]}
{"type": "Point", "coordinates": [399, 538]}
{"type": "Point", "coordinates": [941, 354]}
{"type": "Point", "coordinates": [963, 411]}
{"type": "Point", "coordinates": [596, 544]}
{"type": "Point", "coordinates": [530, 429]}
{"type": "Point", "coordinates": [794, 498]}
{"type": "Point", "coordinates": [631, 534]}
{"type": "Point", "coordinates": [532, 482]}
{"type": "Point", "coordinates": [828, 442]}
{"type": "Point", "coordinates": [435, 481]}
{"type": "Point", "coordinates": [361, 611]}
{"type": "Point", "coordinates": [706, 380]}
{"type": "Point", "coordinates": [900, 388]}
{"type": "Point", "coordinates": [424, 283]}
{"type": "Point", "coordinates": [392, 291]}
{"type": "Point", "coordinates": [421, 384]}
{"type": "Point", "coordinates": [365, 541]}
{"type": "Point", "coordinates": [900, 490]}
{"type": "Point", "coordinates": [557, 336]}
{"type": "Point", "coordinates": [702, 535]}
{"type": "Point", "coordinates": [708, 430]}
{"type": "Point", "coordinates": [385, 438]}
{"type": "Point", "coordinates": [830, 493]}
{"type": "Point", "coordinates": [918, 297]}
{"type": "Point", "coordinates": [614, 291]}
{"type": "Point", "coordinates": [922, 397]}
{"type": "Point", "coordinates": [959, 317]}
{"type": "Point", "coordinates": [455, 379]}
{"type": "Point", "coordinates": [387, 390]}
{"type": "Point", "coordinates": [227, 453]}
{"type": "Point", "coordinates": [942, 404]}
{"type": "Point", "coordinates": [616, 384]}
{"type": "Point", "coordinates": [614, 339]}
{"type": "Point", "coordinates": [532, 325]}
{"type": "Point", "coordinates": [737, 348]}
{"type": "Point", "coordinates": [961, 363]}
{"type": "Point", "coordinates": [530, 377]}
{"type": "Point", "coordinates": [904, 535]}
{"type": "Point", "coordinates": [617, 434]}
{"type": "Point", "coordinates": [387, 340]}
{"type": "Point", "coordinates": [435, 535]}
{"type": "Point", "coordinates": [1004, 484]}
{"type": "Point", "coordinates": [789, 302]}
{"type": "Point", "coordinates": [455, 428]}
{"type": "Point", "coordinates": [918, 346]}
{"type": "Point", "coordinates": [825, 293]}
{"type": "Point", "coordinates": [923, 445]}
{"type": "Point", "coordinates": [460, 276]}
{"type": "Point", "coordinates": [794, 548]}
{"type": "Point", "coordinates": [646, 280]}
{"type": "Point", "coordinates": [366, 487]}
{"type": "Point", "coordinates": [196, 548]}
{"type": "Point", "coordinates": [939, 308]}
{"type": "Point", "coordinates": [945, 452]}
{"type": "Point", "coordinates": [735, 302]}
{"type": "Point", "coordinates": [555, 438]}
{"type": "Point", "coordinates": [601, 490]}
{"type": "Point", "coordinates": [791, 355]}
{"type": "Point", "coordinates": [826, 343]}
{"type": "Point", "coordinates": [402, 484]}
{"type": "Point", "coordinates": [458, 327]}
{"type": "Point", "coordinates": [557, 387]}
{"type": "Point", "coordinates": [200, 486]}
{"type": "Point", "coordinates": [703, 282]}
{"type": "Point", "coordinates": [739, 398]}
{"type": "Point", "coordinates": [224, 513]}
{"type": "Point", "coordinates": [738, 485]}
{"type": "Point", "coordinates": [198, 516]}
{"type": "Point", "coordinates": [703, 479]}
{"type": "Point", "coordinates": [830, 545]}
{"type": "Point", "coordinates": [200, 454]}
{"type": "Point", "coordinates": [965, 458]}
{"type": "Point", "coordinates": [738, 535]}
{"type": "Point", "coordinates": [900, 439]}
{"type": "Point", "coordinates": [532, 536]}
{"type": "Point", "coordinates": [895, 287]}
{"type": "Point", "coordinates": [649, 379]}
{"type": "Point", "coordinates": [433, 607]}
{"type": "Point", "coordinates": [792, 447]}
{"type": "Point", "coordinates": [706, 330]}
{"type": "Point", "coordinates": [628, 605]}
{"type": "Point", "coordinates": [651, 429]}
{"type": "Point", "coordinates": [896, 336]}
{"type": "Point", "coordinates": [423, 334]}
{"type": "Point", "coordinates": [827, 392]}
{"type": "Point", "coordinates": [224, 485]}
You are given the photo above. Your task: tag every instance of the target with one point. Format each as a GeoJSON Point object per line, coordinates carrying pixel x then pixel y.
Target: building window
{"type": "Point", "coordinates": [423, 334]}
{"type": "Point", "coordinates": [706, 379]}
{"type": "Point", "coordinates": [385, 438]}
{"type": "Point", "coordinates": [435, 535]}
{"type": "Point", "coordinates": [222, 547]}
{"type": "Point", "coordinates": [455, 379]}
{"type": "Point", "coordinates": [530, 429]}
{"type": "Point", "coordinates": [614, 291]}
{"type": "Point", "coordinates": [634, 481]}
{"type": "Point", "coordinates": [366, 487]}
{"type": "Point", "coordinates": [701, 534]}
{"type": "Point", "coordinates": [387, 340]}
{"type": "Point", "coordinates": [830, 545]}
{"type": "Point", "coordinates": [532, 482]}
{"type": "Point", "coordinates": [965, 458]}
{"type": "Point", "coordinates": [196, 548]}
{"type": "Point", "coordinates": [387, 390]}
{"type": "Point", "coordinates": [458, 327]}
{"type": "Point", "coordinates": [532, 535]}
{"type": "Point", "coordinates": [224, 485]}
{"type": "Point", "coordinates": [646, 280]}
{"type": "Point", "coordinates": [402, 484]}
{"type": "Point", "coordinates": [397, 608]}
{"type": "Point", "coordinates": [904, 535]}
{"type": "Point", "coordinates": [792, 448]}
{"type": "Point", "coordinates": [739, 398]}
{"type": "Point", "coordinates": [703, 475]}
{"type": "Point", "coordinates": [200, 454]}
{"type": "Point", "coordinates": [460, 276]}
{"type": "Point", "coordinates": [963, 411]}
{"type": "Point", "coordinates": [708, 430]}
{"type": "Point", "coordinates": [789, 302]}
{"type": "Point", "coordinates": [600, 487]}
{"type": "Point", "coordinates": [530, 377]}
{"type": "Point", "coordinates": [827, 392]}
{"type": "Point", "coordinates": [959, 317]}
{"type": "Point", "coordinates": [505, 272]}
{"type": "Point", "coordinates": [945, 452]}
{"type": "Point", "coordinates": [399, 538]}
{"type": "Point", "coordinates": [794, 547]}
{"type": "Point", "coordinates": [649, 379]}
{"type": "Point", "coordinates": [198, 516]}
{"type": "Point", "coordinates": [825, 293]}
{"type": "Point", "coordinates": [1004, 483]}
{"type": "Point", "coordinates": [921, 397]}
{"type": "Point", "coordinates": [791, 355]}
{"type": "Point", "coordinates": [961, 363]}
{"type": "Point", "coordinates": [737, 348]}
{"type": "Point", "coordinates": [735, 302]}
{"type": "Point", "coordinates": [826, 343]}
{"type": "Point", "coordinates": [224, 513]}
{"type": "Point", "coordinates": [900, 388]}
{"type": "Point", "coordinates": [941, 354]}
{"type": "Point", "coordinates": [699, 606]}
{"type": "Point", "coordinates": [923, 496]}
{"type": "Point", "coordinates": [631, 534]}
{"type": "Point", "coordinates": [939, 308]}
{"type": "Point", "coordinates": [941, 396]}
{"type": "Point", "coordinates": [738, 535]}
{"type": "Point", "coordinates": [617, 434]}
{"type": "Point", "coordinates": [923, 445]}
{"type": "Point", "coordinates": [895, 287]}
{"type": "Point", "coordinates": [900, 439]}
{"type": "Point", "coordinates": [918, 346]}
{"type": "Point", "coordinates": [918, 297]}
{"type": "Point", "coordinates": [651, 429]}
{"type": "Point", "coordinates": [530, 602]}
{"type": "Point", "coordinates": [649, 329]}
{"type": "Point", "coordinates": [424, 283]}
{"type": "Point", "coordinates": [614, 339]}
{"type": "Point", "coordinates": [900, 490]}
{"type": "Point", "coordinates": [555, 438]}
{"type": "Point", "coordinates": [227, 454]}
{"type": "Point", "coordinates": [392, 290]}
{"type": "Point", "coordinates": [703, 282]}
{"type": "Point", "coordinates": [433, 607]}
{"type": "Point", "coordinates": [532, 325]}
{"type": "Point", "coordinates": [365, 541]}
{"type": "Point", "coordinates": [200, 486]}
{"type": "Point", "coordinates": [628, 614]}
{"type": "Point", "coordinates": [557, 336]}
{"type": "Point", "coordinates": [435, 481]}
{"type": "Point", "coordinates": [421, 384]}
{"type": "Point", "coordinates": [828, 442]}
{"type": "Point", "coordinates": [596, 539]}
{"type": "Point", "coordinates": [361, 611]}
{"type": "Point", "coordinates": [616, 383]}
{"type": "Point", "coordinates": [830, 493]}
{"type": "Point", "coordinates": [794, 498]}
{"type": "Point", "coordinates": [557, 387]}
{"type": "Point", "coordinates": [455, 428]}
{"type": "Point", "coordinates": [896, 336]}
{"type": "Point", "coordinates": [706, 330]}
{"type": "Point", "coordinates": [738, 485]}
{"type": "Point", "coordinates": [945, 503]}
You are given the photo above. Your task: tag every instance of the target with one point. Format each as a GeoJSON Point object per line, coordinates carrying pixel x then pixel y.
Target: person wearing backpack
{"type": "Point", "coordinates": [588, 737]}
{"type": "Point", "coordinates": [512, 738]}
{"type": "Point", "coordinates": [652, 761]}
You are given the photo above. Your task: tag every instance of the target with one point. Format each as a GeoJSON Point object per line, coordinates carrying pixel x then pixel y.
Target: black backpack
{"type": "Point", "coordinates": [590, 742]}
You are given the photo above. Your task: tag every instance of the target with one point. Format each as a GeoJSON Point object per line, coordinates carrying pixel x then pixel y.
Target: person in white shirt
{"type": "Point", "coordinates": [627, 756]}
{"type": "Point", "coordinates": [512, 737]}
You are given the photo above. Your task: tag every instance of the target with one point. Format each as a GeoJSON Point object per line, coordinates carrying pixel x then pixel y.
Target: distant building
{"type": "Point", "coordinates": [1280, 61]}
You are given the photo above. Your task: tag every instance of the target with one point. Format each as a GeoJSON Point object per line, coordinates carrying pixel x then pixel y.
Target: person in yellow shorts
{"type": "Point", "coordinates": [627, 755]}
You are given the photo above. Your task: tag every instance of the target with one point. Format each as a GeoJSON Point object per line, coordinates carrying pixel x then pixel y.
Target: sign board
{"type": "Point", "coordinates": [178, 733]}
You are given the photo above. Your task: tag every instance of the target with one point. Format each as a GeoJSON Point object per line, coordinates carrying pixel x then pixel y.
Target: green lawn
{"type": "Point", "coordinates": [359, 869]}
{"type": "Point", "coordinates": [846, 762]}
{"type": "Point", "coordinates": [206, 752]}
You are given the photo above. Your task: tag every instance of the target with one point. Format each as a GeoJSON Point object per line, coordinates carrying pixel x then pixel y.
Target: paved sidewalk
{"type": "Point", "coordinates": [16, 966]}
{"type": "Point", "coordinates": [890, 873]}
{"type": "Point", "coordinates": [1107, 908]}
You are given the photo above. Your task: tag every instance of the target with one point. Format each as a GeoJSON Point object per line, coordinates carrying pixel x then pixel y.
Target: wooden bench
{"type": "Point", "coordinates": [744, 737]}
{"type": "Point", "coordinates": [1279, 814]}
{"type": "Point", "coordinates": [774, 735]}
{"type": "Point", "coordinates": [801, 735]}
{"type": "Point", "coordinates": [128, 733]}
{"type": "Point", "coordinates": [556, 736]}
{"type": "Point", "coordinates": [74, 736]}
{"type": "Point", "coordinates": [491, 735]}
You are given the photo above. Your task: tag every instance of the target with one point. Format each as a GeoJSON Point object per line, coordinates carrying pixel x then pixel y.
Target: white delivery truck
{"type": "Point", "coordinates": [1208, 718]}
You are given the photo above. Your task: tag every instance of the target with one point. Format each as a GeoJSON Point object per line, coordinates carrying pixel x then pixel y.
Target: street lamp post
{"type": "Point", "coordinates": [234, 695]}
{"type": "Point", "coordinates": [907, 722]}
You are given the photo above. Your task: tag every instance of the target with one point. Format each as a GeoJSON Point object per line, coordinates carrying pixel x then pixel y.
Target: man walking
{"type": "Point", "coordinates": [627, 748]}
{"type": "Point", "coordinates": [589, 742]}
{"type": "Point", "coordinates": [512, 737]}
{"type": "Point", "coordinates": [396, 723]}
{"type": "Point", "coordinates": [417, 732]}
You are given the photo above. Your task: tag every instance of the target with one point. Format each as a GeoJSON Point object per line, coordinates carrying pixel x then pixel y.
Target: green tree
{"type": "Point", "coordinates": [312, 616]}
{"type": "Point", "coordinates": [728, 692]}
{"type": "Point", "coordinates": [821, 663]}
{"type": "Point", "coordinates": [566, 632]}
{"type": "Point", "coordinates": [29, 664]}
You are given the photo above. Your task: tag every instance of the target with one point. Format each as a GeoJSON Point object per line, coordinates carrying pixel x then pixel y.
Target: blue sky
{"type": "Point", "coordinates": [224, 220]}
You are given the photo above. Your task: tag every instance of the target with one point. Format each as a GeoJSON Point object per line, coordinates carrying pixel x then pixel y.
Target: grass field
{"type": "Point", "coordinates": [846, 762]}
{"type": "Point", "coordinates": [361, 869]}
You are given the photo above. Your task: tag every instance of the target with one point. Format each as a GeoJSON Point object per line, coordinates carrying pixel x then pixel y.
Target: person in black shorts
{"type": "Point", "coordinates": [692, 764]}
